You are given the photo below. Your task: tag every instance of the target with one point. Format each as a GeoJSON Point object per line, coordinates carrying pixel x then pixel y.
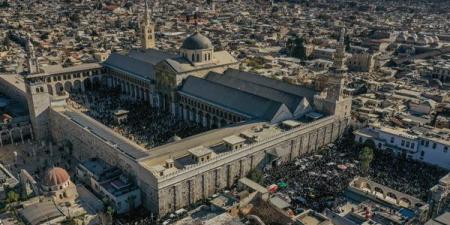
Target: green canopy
{"type": "Point", "coordinates": [282, 185]}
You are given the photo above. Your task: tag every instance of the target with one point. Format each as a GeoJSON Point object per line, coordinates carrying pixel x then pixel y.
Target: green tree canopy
{"type": "Point", "coordinates": [296, 47]}
{"type": "Point", "coordinates": [255, 175]}
{"type": "Point", "coordinates": [12, 196]}
{"type": "Point", "coordinates": [370, 144]}
{"type": "Point", "coordinates": [366, 156]}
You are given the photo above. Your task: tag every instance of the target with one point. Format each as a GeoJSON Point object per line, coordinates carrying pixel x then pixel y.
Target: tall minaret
{"type": "Point", "coordinates": [147, 30]}
{"type": "Point", "coordinates": [339, 58]}
{"type": "Point", "coordinates": [338, 72]}
{"type": "Point", "coordinates": [335, 102]}
{"type": "Point", "coordinates": [32, 61]}
{"type": "Point", "coordinates": [213, 5]}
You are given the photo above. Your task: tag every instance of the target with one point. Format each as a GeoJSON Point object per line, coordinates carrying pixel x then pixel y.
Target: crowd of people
{"type": "Point", "coordinates": [316, 180]}
{"type": "Point", "coordinates": [319, 180]}
{"type": "Point", "coordinates": [405, 175]}
{"type": "Point", "coordinates": [145, 125]}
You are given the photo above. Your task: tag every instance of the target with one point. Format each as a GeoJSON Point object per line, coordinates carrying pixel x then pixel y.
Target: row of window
{"type": "Point", "coordinates": [125, 77]}
{"type": "Point", "coordinates": [407, 144]}
{"type": "Point", "coordinates": [197, 57]}
{"type": "Point", "coordinates": [425, 143]}
{"type": "Point", "coordinates": [404, 143]}
{"type": "Point", "coordinates": [71, 76]}
{"type": "Point", "coordinates": [39, 89]}
{"type": "Point", "coordinates": [210, 109]}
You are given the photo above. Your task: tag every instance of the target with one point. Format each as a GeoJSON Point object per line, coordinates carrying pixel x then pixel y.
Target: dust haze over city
{"type": "Point", "coordinates": [224, 112]}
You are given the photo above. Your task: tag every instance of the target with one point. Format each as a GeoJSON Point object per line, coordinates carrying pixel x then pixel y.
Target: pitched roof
{"type": "Point", "coordinates": [182, 65]}
{"type": "Point", "coordinates": [131, 65]}
{"type": "Point", "coordinates": [290, 100]}
{"type": "Point", "coordinates": [152, 56]}
{"type": "Point", "coordinates": [230, 98]}
{"type": "Point", "coordinates": [272, 83]}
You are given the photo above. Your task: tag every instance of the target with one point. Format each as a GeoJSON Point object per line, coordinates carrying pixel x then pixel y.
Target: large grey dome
{"type": "Point", "coordinates": [196, 42]}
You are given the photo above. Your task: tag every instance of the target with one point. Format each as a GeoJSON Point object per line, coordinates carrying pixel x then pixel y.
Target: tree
{"type": "Point", "coordinates": [12, 196]}
{"type": "Point", "coordinates": [255, 175]}
{"type": "Point", "coordinates": [296, 47]}
{"type": "Point", "coordinates": [366, 156]}
{"type": "Point", "coordinates": [110, 211]}
{"type": "Point", "coordinates": [370, 144]}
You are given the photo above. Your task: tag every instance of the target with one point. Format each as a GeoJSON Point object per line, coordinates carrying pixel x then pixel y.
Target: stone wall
{"type": "Point", "coordinates": [12, 90]}
{"type": "Point", "coordinates": [188, 186]}
{"type": "Point", "coordinates": [19, 133]}
{"type": "Point", "coordinates": [166, 194]}
{"type": "Point", "coordinates": [86, 145]}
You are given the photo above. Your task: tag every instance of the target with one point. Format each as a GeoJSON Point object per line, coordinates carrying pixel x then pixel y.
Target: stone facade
{"type": "Point", "coordinates": [76, 78]}
{"type": "Point", "coordinates": [86, 145]}
{"type": "Point", "coordinates": [147, 31]}
{"type": "Point", "coordinates": [17, 133]}
{"type": "Point", "coordinates": [363, 62]}
{"type": "Point", "coordinates": [38, 100]}
{"type": "Point", "coordinates": [162, 195]}
{"type": "Point", "coordinates": [171, 192]}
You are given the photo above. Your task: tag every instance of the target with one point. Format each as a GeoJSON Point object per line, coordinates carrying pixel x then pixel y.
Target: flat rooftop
{"type": "Point", "coordinates": [180, 148]}
{"type": "Point", "coordinates": [49, 70]}
{"type": "Point", "coordinates": [97, 166]}
{"type": "Point", "coordinates": [313, 218]}
{"type": "Point", "coordinates": [15, 80]}
{"type": "Point", "coordinates": [213, 141]}
{"type": "Point", "coordinates": [233, 139]}
{"type": "Point", "coordinates": [209, 142]}
{"type": "Point", "coordinates": [119, 186]}
{"type": "Point", "coordinates": [199, 151]}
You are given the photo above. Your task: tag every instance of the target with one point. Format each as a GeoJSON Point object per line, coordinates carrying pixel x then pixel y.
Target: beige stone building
{"type": "Point", "coordinates": [260, 122]}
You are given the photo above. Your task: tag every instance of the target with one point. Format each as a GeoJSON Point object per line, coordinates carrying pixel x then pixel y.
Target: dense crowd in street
{"type": "Point", "coordinates": [400, 174]}
{"type": "Point", "coordinates": [145, 125]}
{"type": "Point", "coordinates": [318, 181]}
{"type": "Point", "coordinates": [315, 180]}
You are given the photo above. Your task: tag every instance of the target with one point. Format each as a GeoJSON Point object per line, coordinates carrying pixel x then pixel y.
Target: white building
{"type": "Point", "coordinates": [429, 145]}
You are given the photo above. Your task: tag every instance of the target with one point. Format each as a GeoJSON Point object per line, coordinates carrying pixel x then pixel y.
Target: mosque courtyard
{"type": "Point", "coordinates": [146, 126]}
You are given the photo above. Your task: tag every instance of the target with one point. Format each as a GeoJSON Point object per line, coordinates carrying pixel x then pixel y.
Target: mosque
{"type": "Point", "coordinates": [57, 184]}
{"type": "Point", "coordinates": [257, 122]}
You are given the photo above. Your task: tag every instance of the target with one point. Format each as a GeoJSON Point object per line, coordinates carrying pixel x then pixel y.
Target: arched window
{"type": "Point", "coordinates": [198, 57]}
{"type": "Point", "coordinates": [209, 56]}
{"type": "Point", "coordinates": [41, 89]}
{"type": "Point", "coordinates": [193, 57]}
